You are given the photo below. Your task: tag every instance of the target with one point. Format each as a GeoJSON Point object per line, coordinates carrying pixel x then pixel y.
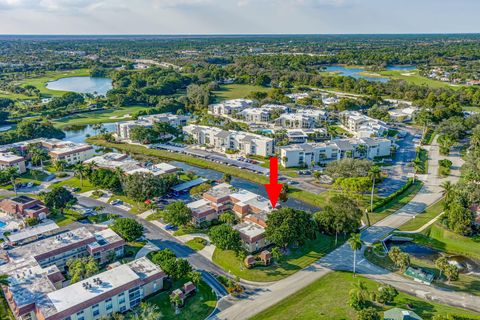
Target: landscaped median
{"type": "Point", "coordinates": [295, 260]}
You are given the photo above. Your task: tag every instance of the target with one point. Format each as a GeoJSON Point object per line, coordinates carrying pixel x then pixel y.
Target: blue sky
{"type": "Point", "coordinates": [237, 16]}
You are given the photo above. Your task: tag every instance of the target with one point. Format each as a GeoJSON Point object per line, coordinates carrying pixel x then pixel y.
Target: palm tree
{"type": "Point", "coordinates": [12, 173]}
{"type": "Point", "coordinates": [447, 191]}
{"type": "Point", "coordinates": [416, 168]}
{"type": "Point", "coordinates": [441, 263]}
{"type": "Point", "coordinates": [79, 170]}
{"type": "Point", "coordinates": [195, 277]}
{"type": "Point", "coordinates": [4, 279]}
{"type": "Point", "coordinates": [60, 165]}
{"type": "Point", "coordinates": [374, 175]}
{"type": "Point", "coordinates": [317, 174]}
{"type": "Point", "coordinates": [176, 301]}
{"type": "Point", "coordinates": [356, 244]}
{"type": "Point", "coordinates": [147, 311]}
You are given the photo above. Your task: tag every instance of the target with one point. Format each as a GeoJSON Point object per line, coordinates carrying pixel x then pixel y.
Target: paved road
{"type": "Point", "coordinates": [342, 258]}
{"type": "Point", "coordinates": [400, 171]}
{"type": "Point", "coordinates": [163, 239]}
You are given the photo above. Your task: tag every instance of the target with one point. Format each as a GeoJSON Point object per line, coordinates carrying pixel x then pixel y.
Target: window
{"type": "Point", "coordinates": [95, 310]}
{"type": "Point", "coordinates": [80, 315]}
{"type": "Point", "coordinates": [123, 308]}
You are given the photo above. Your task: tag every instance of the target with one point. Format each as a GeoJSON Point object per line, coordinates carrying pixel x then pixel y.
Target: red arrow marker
{"type": "Point", "coordinates": [273, 188]}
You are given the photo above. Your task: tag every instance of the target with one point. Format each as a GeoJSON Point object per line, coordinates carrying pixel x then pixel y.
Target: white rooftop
{"type": "Point", "coordinates": [46, 226]}
{"type": "Point", "coordinates": [249, 229]}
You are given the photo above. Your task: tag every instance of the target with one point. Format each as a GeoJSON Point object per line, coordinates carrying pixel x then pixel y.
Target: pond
{"type": "Point", "coordinates": [98, 86]}
{"type": "Point", "coordinates": [81, 133]}
{"type": "Point", "coordinates": [355, 72]}
{"type": "Point", "coordinates": [465, 264]}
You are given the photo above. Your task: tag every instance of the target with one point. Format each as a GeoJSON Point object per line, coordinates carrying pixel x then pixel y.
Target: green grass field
{"type": "Point", "coordinates": [75, 182]}
{"type": "Point", "coordinates": [196, 243]}
{"type": "Point", "coordinates": [236, 91]}
{"type": "Point", "coordinates": [296, 260]}
{"type": "Point", "coordinates": [197, 307]}
{"type": "Point", "coordinates": [414, 78]}
{"type": "Point", "coordinates": [424, 217]}
{"type": "Point", "coordinates": [96, 117]}
{"type": "Point", "coordinates": [327, 298]}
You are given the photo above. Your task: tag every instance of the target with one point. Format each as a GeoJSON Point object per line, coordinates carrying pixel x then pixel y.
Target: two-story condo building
{"type": "Point", "coordinates": [24, 207]}
{"type": "Point", "coordinates": [250, 208]}
{"type": "Point", "coordinates": [263, 114]}
{"type": "Point", "coordinates": [9, 159]}
{"type": "Point", "coordinates": [70, 152]}
{"type": "Point", "coordinates": [301, 119]}
{"type": "Point", "coordinates": [322, 153]}
{"type": "Point", "coordinates": [223, 140]}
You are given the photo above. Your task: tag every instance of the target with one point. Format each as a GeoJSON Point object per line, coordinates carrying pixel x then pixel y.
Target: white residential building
{"type": "Point", "coordinates": [297, 96]}
{"type": "Point", "coordinates": [405, 114]}
{"type": "Point", "coordinates": [361, 125]}
{"type": "Point", "coordinates": [223, 140]}
{"type": "Point", "coordinates": [122, 129]}
{"type": "Point", "coordinates": [302, 135]}
{"type": "Point", "coordinates": [302, 118]}
{"type": "Point", "coordinates": [322, 153]}
{"type": "Point", "coordinates": [262, 114]}
{"type": "Point", "coordinates": [230, 107]}
{"type": "Point", "coordinates": [114, 160]}
{"type": "Point", "coordinates": [9, 159]}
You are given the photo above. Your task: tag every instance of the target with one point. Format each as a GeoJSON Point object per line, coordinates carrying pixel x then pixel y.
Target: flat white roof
{"type": "Point", "coordinates": [10, 157]}
{"type": "Point", "coordinates": [249, 229]}
{"type": "Point", "coordinates": [46, 226]}
{"type": "Point", "coordinates": [75, 294]}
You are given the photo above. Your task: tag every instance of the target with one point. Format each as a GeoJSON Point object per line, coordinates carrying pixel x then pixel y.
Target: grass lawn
{"type": "Point", "coordinates": [196, 243]}
{"type": "Point", "coordinates": [197, 307]}
{"type": "Point", "coordinates": [74, 182]}
{"type": "Point", "coordinates": [68, 217]}
{"type": "Point", "coordinates": [131, 249]}
{"type": "Point", "coordinates": [424, 217]}
{"type": "Point", "coordinates": [40, 82]}
{"type": "Point", "coordinates": [396, 203]}
{"type": "Point", "coordinates": [474, 109]}
{"type": "Point", "coordinates": [296, 260]}
{"type": "Point", "coordinates": [96, 117]}
{"type": "Point", "coordinates": [414, 78]}
{"type": "Point", "coordinates": [236, 91]}
{"type": "Point", "coordinates": [437, 237]}
{"type": "Point", "coordinates": [327, 298]}
{"type": "Point", "coordinates": [136, 207]}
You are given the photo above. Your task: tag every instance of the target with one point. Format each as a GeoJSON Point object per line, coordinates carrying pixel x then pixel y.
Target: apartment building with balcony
{"type": "Point", "coordinates": [223, 140]}
{"type": "Point", "coordinates": [306, 154]}
{"type": "Point", "coordinates": [361, 125]}
{"type": "Point", "coordinates": [9, 159]}
{"type": "Point", "coordinates": [122, 129]}
{"type": "Point", "coordinates": [38, 289]}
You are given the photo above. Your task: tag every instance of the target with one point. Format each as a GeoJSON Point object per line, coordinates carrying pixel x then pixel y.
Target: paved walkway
{"type": "Point", "coordinates": [342, 258]}
{"type": "Point", "coordinates": [146, 249]}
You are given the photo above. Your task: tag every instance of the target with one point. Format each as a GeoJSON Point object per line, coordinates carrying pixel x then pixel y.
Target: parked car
{"type": "Point", "coordinates": [170, 227]}
{"type": "Point", "coordinates": [116, 202]}
{"type": "Point", "coordinates": [292, 183]}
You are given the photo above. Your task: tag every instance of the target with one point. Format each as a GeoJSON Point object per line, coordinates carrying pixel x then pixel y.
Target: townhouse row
{"type": "Point", "coordinates": [250, 209]}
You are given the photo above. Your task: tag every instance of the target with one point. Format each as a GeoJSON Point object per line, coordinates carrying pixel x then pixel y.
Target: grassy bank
{"type": "Point", "coordinates": [437, 237]}
{"type": "Point", "coordinates": [424, 217]}
{"type": "Point", "coordinates": [197, 307]}
{"type": "Point", "coordinates": [294, 261]}
{"type": "Point", "coordinates": [415, 78]}
{"type": "Point", "coordinates": [40, 82]}
{"type": "Point", "coordinates": [327, 298]}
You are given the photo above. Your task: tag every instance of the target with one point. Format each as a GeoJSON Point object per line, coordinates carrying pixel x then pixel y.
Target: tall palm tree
{"type": "Point", "coordinates": [356, 244]}
{"type": "Point", "coordinates": [60, 165]}
{"type": "Point", "coordinates": [416, 168]}
{"type": "Point", "coordinates": [4, 280]}
{"type": "Point", "coordinates": [374, 175]}
{"type": "Point", "coordinates": [12, 173]}
{"type": "Point", "coordinates": [447, 191]}
{"type": "Point", "coordinates": [79, 170]}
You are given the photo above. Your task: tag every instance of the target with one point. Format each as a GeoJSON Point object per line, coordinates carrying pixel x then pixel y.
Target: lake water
{"type": "Point", "coordinates": [355, 72]}
{"type": "Point", "coordinates": [100, 86]}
